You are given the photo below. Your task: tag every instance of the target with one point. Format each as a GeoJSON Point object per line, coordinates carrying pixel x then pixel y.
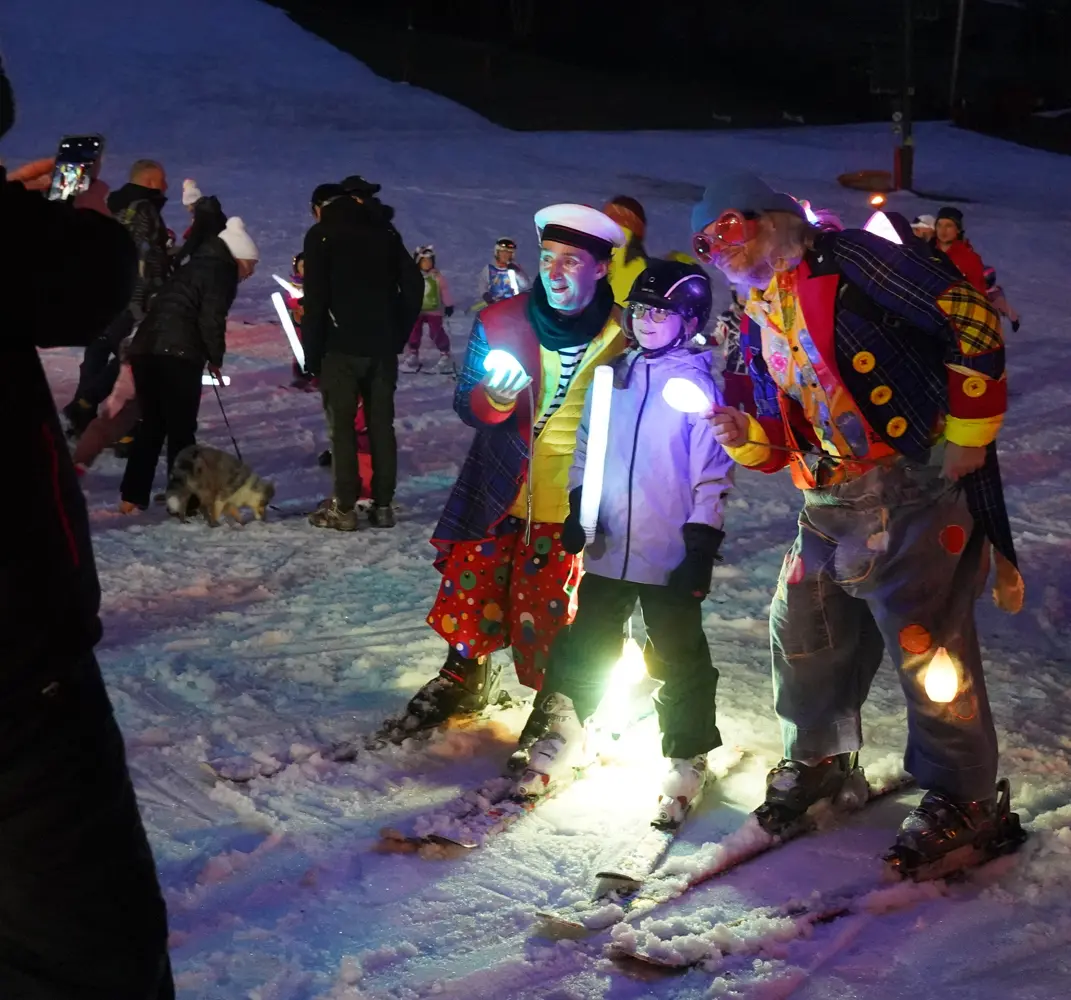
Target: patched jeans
{"type": "Point", "coordinates": [890, 561]}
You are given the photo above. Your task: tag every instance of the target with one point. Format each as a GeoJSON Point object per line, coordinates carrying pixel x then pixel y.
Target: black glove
{"type": "Point", "coordinates": [573, 537]}
{"type": "Point", "coordinates": [1015, 326]}
{"type": "Point", "coordinates": [449, 310]}
{"type": "Point", "coordinates": [487, 298]}
{"type": "Point", "coordinates": [701, 551]}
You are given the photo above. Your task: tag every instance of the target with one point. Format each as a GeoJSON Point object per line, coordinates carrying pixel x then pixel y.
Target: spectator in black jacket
{"type": "Point", "coordinates": [137, 205]}
{"type": "Point", "coordinates": [362, 295]}
{"type": "Point", "coordinates": [184, 331]}
{"type": "Point", "coordinates": [81, 914]}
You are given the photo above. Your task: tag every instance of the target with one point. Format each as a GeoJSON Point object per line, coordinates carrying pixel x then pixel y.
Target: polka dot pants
{"type": "Point", "coordinates": [503, 592]}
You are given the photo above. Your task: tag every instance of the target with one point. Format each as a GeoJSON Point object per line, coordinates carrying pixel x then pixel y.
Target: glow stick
{"type": "Point", "coordinates": [602, 388]}
{"type": "Point", "coordinates": [512, 279]}
{"type": "Point", "coordinates": [295, 292]}
{"type": "Point", "coordinates": [685, 396]}
{"type": "Point", "coordinates": [212, 380]}
{"type": "Point", "coordinates": [879, 225]}
{"type": "Point", "coordinates": [504, 368]}
{"type": "Point", "coordinates": [288, 328]}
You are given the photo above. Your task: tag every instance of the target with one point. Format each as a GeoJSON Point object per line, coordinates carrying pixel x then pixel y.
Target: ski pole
{"type": "Point", "coordinates": [219, 399]}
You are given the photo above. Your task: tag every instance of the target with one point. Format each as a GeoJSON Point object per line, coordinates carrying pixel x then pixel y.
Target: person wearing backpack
{"type": "Point", "coordinates": [878, 374]}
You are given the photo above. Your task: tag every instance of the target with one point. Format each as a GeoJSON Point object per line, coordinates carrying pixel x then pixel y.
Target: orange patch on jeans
{"type": "Point", "coordinates": [953, 538]}
{"type": "Point", "coordinates": [915, 639]}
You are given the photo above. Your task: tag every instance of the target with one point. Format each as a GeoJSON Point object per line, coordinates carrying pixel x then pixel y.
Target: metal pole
{"type": "Point", "coordinates": [956, 50]}
{"type": "Point", "coordinates": [907, 149]}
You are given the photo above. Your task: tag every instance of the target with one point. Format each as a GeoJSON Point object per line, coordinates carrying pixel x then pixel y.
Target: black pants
{"type": "Point", "coordinates": [343, 381]}
{"type": "Point", "coordinates": [81, 915]}
{"type": "Point", "coordinates": [100, 363]}
{"type": "Point", "coordinates": [169, 395]}
{"type": "Point", "coordinates": [677, 654]}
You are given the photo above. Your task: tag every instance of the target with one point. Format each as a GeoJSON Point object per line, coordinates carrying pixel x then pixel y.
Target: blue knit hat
{"type": "Point", "coordinates": [745, 192]}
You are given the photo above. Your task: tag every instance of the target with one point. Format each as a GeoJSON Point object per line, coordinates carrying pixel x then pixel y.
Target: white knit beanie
{"type": "Point", "coordinates": [191, 193]}
{"type": "Point", "coordinates": [238, 240]}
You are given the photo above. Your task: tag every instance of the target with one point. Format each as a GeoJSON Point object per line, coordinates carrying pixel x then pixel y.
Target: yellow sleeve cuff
{"type": "Point", "coordinates": [973, 433]}
{"type": "Point", "coordinates": [757, 449]}
{"type": "Point", "coordinates": [501, 407]}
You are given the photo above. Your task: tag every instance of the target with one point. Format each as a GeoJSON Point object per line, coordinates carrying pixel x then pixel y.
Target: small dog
{"type": "Point", "coordinates": [221, 483]}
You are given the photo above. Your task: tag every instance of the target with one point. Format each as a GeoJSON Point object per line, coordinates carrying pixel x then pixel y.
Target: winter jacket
{"type": "Point", "coordinates": [363, 290]}
{"type": "Point", "coordinates": [49, 591]}
{"type": "Point", "coordinates": [138, 209]}
{"type": "Point", "coordinates": [623, 273]}
{"type": "Point", "coordinates": [188, 317]}
{"type": "Point", "coordinates": [969, 264]}
{"type": "Point", "coordinates": [663, 469]}
{"type": "Point", "coordinates": [436, 293]}
{"type": "Point", "coordinates": [494, 284]}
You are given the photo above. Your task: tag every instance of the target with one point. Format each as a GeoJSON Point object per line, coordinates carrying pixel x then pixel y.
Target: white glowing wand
{"type": "Point", "coordinates": [602, 388]}
{"type": "Point", "coordinates": [685, 396]}
{"type": "Point", "coordinates": [879, 225]}
{"type": "Point", "coordinates": [292, 289]}
{"type": "Point", "coordinates": [288, 328]}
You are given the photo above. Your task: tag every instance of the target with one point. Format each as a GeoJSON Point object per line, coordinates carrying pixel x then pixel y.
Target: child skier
{"type": "Point", "coordinates": [437, 304]}
{"type": "Point", "coordinates": [663, 469]}
{"type": "Point", "coordinates": [995, 294]}
{"type": "Point", "coordinates": [116, 420]}
{"type": "Point", "coordinates": [302, 379]}
{"type": "Point", "coordinates": [502, 278]}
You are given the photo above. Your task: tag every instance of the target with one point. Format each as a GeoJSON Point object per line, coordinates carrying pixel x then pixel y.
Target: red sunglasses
{"type": "Point", "coordinates": [732, 228]}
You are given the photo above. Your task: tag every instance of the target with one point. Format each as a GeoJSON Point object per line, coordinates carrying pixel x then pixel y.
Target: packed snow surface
{"type": "Point", "coordinates": [261, 645]}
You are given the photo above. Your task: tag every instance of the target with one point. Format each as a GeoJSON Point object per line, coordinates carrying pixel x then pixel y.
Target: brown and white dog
{"type": "Point", "coordinates": [221, 483]}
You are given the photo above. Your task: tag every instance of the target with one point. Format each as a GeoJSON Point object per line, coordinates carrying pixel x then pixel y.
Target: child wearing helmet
{"type": "Point", "coordinates": [437, 304]}
{"type": "Point", "coordinates": [295, 306]}
{"type": "Point", "coordinates": [502, 278]}
{"type": "Point", "coordinates": [659, 531]}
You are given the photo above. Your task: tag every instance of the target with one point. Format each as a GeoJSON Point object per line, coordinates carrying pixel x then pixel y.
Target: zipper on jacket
{"type": "Point", "coordinates": [632, 469]}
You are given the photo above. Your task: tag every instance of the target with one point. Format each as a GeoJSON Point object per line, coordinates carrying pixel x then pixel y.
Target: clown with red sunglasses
{"type": "Point", "coordinates": [878, 375]}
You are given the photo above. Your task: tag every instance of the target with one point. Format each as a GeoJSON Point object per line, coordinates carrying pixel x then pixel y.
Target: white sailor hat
{"type": "Point", "coordinates": [580, 226]}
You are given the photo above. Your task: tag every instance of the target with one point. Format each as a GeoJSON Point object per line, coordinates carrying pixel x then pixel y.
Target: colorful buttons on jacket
{"type": "Point", "coordinates": [864, 362]}
{"type": "Point", "coordinates": [974, 387]}
{"type": "Point", "coordinates": [880, 395]}
{"type": "Point", "coordinates": [896, 427]}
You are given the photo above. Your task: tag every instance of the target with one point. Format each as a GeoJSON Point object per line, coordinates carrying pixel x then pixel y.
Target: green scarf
{"type": "Point", "coordinates": [556, 331]}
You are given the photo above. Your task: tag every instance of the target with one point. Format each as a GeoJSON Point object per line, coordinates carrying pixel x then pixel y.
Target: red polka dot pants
{"type": "Point", "coordinates": [503, 592]}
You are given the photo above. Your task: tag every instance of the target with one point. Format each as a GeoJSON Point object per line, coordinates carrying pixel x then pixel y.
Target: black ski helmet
{"type": "Point", "coordinates": [505, 244]}
{"type": "Point", "coordinates": [298, 258]}
{"type": "Point", "coordinates": [672, 284]}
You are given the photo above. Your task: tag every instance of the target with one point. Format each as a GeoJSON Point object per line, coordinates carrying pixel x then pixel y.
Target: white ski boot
{"type": "Point", "coordinates": [410, 362]}
{"type": "Point", "coordinates": [681, 790]}
{"type": "Point", "coordinates": [554, 755]}
{"type": "Point", "coordinates": [444, 366]}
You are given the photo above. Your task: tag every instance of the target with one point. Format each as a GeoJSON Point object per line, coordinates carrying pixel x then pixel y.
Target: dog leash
{"type": "Point", "coordinates": [219, 399]}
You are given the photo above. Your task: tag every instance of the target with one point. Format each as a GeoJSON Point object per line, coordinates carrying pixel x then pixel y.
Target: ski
{"type": "Point", "coordinates": [892, 890]}
{"type": "Point", "coordinates": [628, 902]}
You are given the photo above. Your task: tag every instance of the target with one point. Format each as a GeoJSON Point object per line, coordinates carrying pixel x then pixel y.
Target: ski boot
{"type": "Point", "coordinates": [941, 836]}
{"type": "Point", "coordinates": [410, 363]}
{"type": "Point", "coordinates": [444, 366]}
{"type": "Point", "coordinates": [681, 790]}
{"type": "Point", "coordinates": [792, 787]}
{"type": "Point", "coordinates": [560, 749]}
{"type": "Point", "coordinates": [463, 686]}
{"type": "Point", "coordinates": [535, 728]}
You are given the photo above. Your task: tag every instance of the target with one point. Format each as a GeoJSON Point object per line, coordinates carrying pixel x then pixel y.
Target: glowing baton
{"type": "Point", "coordinates": [293, 290]}
{"type": "Point", "coordinates": [941, 680]}
{"type": "Point", "coordinates": [879, 225]}
{"type": "Point", "coordinates": [288, 328]}
{"type": "Point", "coordinates": [512, 280]}
{"type": "Point", "coordinates": [504, 368]}
{"type": "Point", "coordinates": [685, 396]}
{"type": "Point", "coordinates": [212, 380]}
{"type": "Point", "coordinates": [602, 388]}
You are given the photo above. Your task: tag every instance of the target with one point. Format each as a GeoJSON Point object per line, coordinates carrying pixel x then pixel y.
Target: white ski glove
{"type": "Point", "coordinates": [506, 378]}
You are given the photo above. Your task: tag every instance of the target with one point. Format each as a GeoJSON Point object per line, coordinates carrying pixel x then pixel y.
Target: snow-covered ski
{"type": "Point", "coordinates": [631, 901]}
{"type": "Point", "coordinates": [895, 888]}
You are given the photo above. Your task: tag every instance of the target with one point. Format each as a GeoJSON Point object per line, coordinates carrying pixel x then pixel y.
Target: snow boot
{"type": "Point", "coordinates": [331, 515]}
{"type": "Point", "coordinates": [681, 790]}
{"type": "Point", "coordinates": [534, 729]}
{"type": "Point", "coordinates": [463, 686]}
{"type": "Point", "coordinates": [941, 836]}
{"type": "Point", "coordinates": [554, 755]}
{"type": "Point", "coordinates": [444, 366]}
{"type": "Point", "coordinates": [79, 414]}
{"type": "Point", "coordinates": [792, 787]}
{"type": "Point", "coordinates": [323, 460]}
{"type": "Point", "coordinates": [382, 516]}
{"type": "Point", "coordinates": [123, 445]}
{"type": "Point", "coordinates": [410, 362]}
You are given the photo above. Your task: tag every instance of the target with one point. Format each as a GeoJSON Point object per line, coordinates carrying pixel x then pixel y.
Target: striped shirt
{"type": "Point", "coordinates": [570, 358]}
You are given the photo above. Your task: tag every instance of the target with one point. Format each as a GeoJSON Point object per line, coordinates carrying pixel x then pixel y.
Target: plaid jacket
{"type": "Point", "coordinates": [913, 343]}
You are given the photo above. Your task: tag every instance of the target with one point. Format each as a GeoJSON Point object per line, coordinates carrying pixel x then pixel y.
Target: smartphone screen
{"type": "Point", "coordinates": [75, 160]}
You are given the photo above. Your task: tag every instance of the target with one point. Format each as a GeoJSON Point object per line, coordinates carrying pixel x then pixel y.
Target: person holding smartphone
{"type": "Point", "coordinates": [81, 914]}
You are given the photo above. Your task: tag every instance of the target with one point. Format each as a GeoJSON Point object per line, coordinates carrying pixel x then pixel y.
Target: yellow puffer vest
{"type": "Point", "coordinates": [552, 453]}
{"type": "Point", "coordinates": [622, 276]}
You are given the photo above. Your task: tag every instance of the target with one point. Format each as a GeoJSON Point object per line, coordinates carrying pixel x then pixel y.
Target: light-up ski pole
{"type": "Point", "coordinates": [212, 380]}
{"type": "Point", "coordinates": [288, 329]}
{"type": "Point", "coordinates": [602, 388]}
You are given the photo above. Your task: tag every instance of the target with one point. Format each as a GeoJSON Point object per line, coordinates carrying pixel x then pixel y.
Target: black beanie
{"type": "Point", "coordinates": [325, 193]}
{"type": "Point", "coordinates": [7, 102]}
{"type": "Point", "coordinates": [953, 215]}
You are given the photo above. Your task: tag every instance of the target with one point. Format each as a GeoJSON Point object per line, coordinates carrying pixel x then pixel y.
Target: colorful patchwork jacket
{"type": "Point", "coordinates": [920, 351]}
{"type": "Point", "coordinates": [491, 484]}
